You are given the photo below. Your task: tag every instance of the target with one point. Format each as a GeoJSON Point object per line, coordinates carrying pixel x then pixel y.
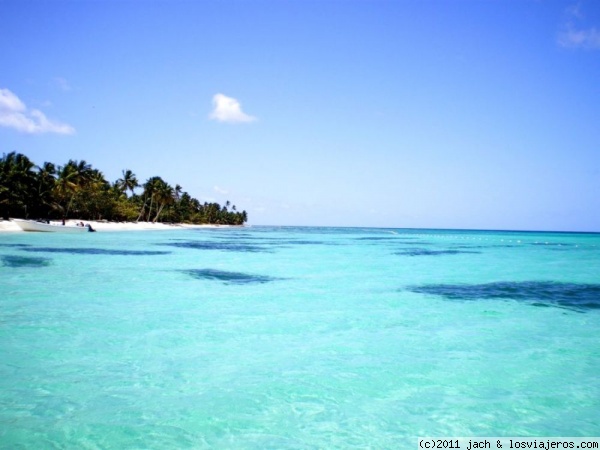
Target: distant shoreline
{"type": "Point", "coordinates": [9, 226]}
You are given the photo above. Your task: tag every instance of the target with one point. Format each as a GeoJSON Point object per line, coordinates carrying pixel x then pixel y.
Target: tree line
{"type": "Point", "coordinates": [77, 190]}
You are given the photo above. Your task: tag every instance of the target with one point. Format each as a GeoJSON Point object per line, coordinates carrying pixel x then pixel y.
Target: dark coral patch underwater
{"type": "Point", "coordinates": [94, 251]}
{"type": "Point", "coordinates": [24, 261]}
{"type": "Point", "coordinates": [223, 246]}
{"type": "Point", "coordinates": [244, 245]}
{"type": "Point", "coordinates": [228, 277]}
{"type": "Point", "coordinates": [377, 238]}
{"type": "Point", "coordinates": [427, 252]}
{"type": "Point", "coordinates": [539, 293]}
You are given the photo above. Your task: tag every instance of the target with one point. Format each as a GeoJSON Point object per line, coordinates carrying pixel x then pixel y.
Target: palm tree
{"type": "Point", "coordinates": [65, 188]}
{"type": "Point", "coordinates": [94, 198]}
{"type": "Point", "coordinates": [128, 182]}
{"type": "Point", "coordinates": [178, 191]}
{"type": "Point", "coordinates": [212, 212]}
{"type": "Point", "coordinates": [46, 179]}
{"type": "Point", "coordinates": [193, 210]}
{"type": "Point", "coordinates": [165, 195]}
{"type": "Point", "coordinates": [46, 171]}
{"type": "Point", "coordinates": [17, 183]}
{"type": "Point", "coordinates": [72, 178]}
{"type": "Point", "coordinates": [77, 187]}
{"type": "Point", "coordinates": [84, 171]}
{"type": "Point", "coordinates": [151, 188]}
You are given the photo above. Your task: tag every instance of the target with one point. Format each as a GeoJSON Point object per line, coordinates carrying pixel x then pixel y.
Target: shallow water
{"type": "Point", "coordinates": [296, 337]}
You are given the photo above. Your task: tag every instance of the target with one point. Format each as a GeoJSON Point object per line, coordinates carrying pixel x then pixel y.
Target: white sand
{"type": "Point", "coordinates": [8, 226]}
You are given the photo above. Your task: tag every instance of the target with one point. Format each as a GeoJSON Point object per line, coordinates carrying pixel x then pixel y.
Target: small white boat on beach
{"type": "Point", "coordinates": [32, 225]}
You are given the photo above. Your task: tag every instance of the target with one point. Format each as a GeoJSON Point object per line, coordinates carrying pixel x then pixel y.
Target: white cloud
{"type": "Point", "coordinates": [573, 35]}
{"type": "Point", "coordinates": [228, 109]}
{"type": "Point", "coordinates": [220, 190]}
{"type": "Point", "coordinates": [574, 10]}
{"type": "Point", "coordinates": [579, 38]}
{"type": "Point", "coordinates": [62, 84]}
{"type": "Point", "coordinates": [14, 114]}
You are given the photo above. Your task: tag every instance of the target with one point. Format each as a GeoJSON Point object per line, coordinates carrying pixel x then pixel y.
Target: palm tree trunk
{"type": "Point", "coordinates": [162, 205]}
{"type": "Point", "coordinates": [141, 210]}
{"type": "Point", "coordinates": [150, 209]}
{"type": "Point", "coordinates": [69, 206]}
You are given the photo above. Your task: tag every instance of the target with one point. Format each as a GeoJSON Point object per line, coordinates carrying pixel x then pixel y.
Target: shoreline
{"type": "Point", "coordinates": [7, 226]}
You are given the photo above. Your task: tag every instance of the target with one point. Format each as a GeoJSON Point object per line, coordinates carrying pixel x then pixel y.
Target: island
{"type": "Point", "coordinates": [76, 190]}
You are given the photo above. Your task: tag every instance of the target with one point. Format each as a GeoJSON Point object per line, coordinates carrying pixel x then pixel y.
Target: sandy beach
{"type": "Point", "coordinates": [9, 226]}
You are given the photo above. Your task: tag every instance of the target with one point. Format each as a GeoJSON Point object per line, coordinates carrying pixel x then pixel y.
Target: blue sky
{"type": "Point", "coordinates": [406, 113]}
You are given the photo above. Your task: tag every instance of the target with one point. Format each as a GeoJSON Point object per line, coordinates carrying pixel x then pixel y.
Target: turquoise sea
{"type": "Point", "coordinates": [299, 338]}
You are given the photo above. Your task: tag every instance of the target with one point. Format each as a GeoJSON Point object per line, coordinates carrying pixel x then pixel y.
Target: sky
{"type": "Point", "coordinates": [387, 113]}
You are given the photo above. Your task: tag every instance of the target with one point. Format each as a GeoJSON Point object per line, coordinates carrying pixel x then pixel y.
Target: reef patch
{"type": "Point", "coordinates": [538, 293]}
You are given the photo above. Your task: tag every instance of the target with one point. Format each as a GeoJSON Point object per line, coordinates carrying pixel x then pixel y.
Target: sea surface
{"type": "Point", "coordinates": [296, 338]}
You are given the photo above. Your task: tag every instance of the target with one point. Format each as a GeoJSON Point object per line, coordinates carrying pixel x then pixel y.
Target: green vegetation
{"type": "Point", "coordinates": [76, 190]}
